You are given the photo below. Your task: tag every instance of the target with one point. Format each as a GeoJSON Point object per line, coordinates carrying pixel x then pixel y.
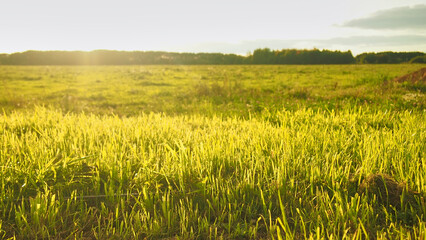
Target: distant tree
{"type": "Point", "coordinates": [387, 57]}
{"type": "Point", "coordinates": [297, 56]}
{"type": "Point", "coordinates": [418, 59]}
{"type": "Point", "coordinates": [263, 56]}
{"type": "Point", "coordinates": [3, 58]}
{"type": "Point", "coordinates": [259, 56]}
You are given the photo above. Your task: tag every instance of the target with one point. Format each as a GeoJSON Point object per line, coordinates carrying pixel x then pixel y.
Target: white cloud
{"type": "Point", "coordinates": [394, 18]}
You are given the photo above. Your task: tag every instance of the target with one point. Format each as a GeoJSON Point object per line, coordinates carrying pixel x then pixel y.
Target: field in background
{"type": "Point", "coordinates": [199, 152]}
{"type": "Point", "coordinates": [211, 90]}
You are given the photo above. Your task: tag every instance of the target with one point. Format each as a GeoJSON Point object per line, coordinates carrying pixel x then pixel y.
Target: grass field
{"type": "Point", "coordinates": [209, 90]}
{"type": "Point", "coordinates": [212, 152]}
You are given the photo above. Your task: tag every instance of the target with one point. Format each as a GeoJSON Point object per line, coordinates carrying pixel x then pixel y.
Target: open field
{"type": "Point", "coordinates": [199, 152]}
{"type": "Point", "coordinates": [211, 90]}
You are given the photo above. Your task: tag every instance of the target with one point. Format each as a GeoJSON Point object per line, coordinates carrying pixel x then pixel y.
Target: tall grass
{"type": "Point", "coordinates": [283, 175]}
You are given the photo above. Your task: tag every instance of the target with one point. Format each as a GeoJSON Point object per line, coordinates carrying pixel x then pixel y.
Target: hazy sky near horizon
{"type": "Point", "coordinates": [231, 26]}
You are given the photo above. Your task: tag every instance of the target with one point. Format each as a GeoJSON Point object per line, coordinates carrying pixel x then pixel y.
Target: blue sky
{"type": "Point", "coordinates": [232, 26]}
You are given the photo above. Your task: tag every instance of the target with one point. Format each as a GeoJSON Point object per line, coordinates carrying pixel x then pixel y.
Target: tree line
{"type": "Point", "coordinates": [259, 56]}
{"type": "Point", "coordinates": [297, 56]}
{"type": "Point", "coordinates": [391, 57]}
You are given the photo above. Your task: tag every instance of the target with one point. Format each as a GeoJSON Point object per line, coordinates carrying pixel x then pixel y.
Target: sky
{"type": "Point", "coordinates": [227, 26]}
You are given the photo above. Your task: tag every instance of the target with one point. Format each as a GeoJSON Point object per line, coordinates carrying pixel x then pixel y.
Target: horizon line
{"type": "Point", "coordinates": [201, 52]}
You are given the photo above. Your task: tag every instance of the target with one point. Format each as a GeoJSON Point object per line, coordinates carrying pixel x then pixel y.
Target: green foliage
{"type": "Point", "coordinates": [259, 56]}
{"type": "Point", "coordinates": [106, 57]}
{"type": "Point", "coordinates": [388, 57]}
{"type": "Point", "coordinates": [315, 56]}
{"type": "Point", "coordinates": [418, 59]}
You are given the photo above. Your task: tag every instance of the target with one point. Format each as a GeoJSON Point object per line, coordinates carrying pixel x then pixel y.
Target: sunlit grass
{"type": "Point", "coordinates": [156, 176]}
{"type": "Point", "coordinates": [210, 152]}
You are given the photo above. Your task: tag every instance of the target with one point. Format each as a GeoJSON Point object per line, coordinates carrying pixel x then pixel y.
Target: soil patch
{"type": "Point", "coordinates": [387, 190]}
{"type": "Point", "coordinates": [414, 77]}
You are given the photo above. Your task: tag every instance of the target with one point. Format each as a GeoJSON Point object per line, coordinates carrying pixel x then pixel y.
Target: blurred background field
{"type": "Point", "coordinates": [211, 90]}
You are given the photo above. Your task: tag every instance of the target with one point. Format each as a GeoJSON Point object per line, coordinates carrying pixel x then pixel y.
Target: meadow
{"type": "Point", "coordinates": [211, 152]}
{"type": "Point", "coordinates": [209, 90]}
